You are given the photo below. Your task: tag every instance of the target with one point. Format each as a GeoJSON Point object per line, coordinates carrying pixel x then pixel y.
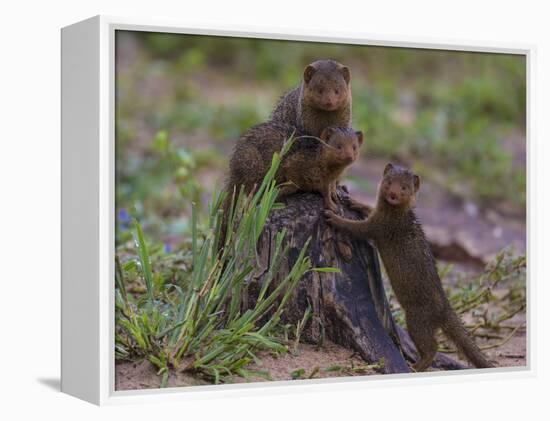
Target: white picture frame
{"type": "Point", "coordinates": [88, 212]}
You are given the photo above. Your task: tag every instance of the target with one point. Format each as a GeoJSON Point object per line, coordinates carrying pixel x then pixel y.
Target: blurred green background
{"type": "Point", "coordinates": [457, 118]}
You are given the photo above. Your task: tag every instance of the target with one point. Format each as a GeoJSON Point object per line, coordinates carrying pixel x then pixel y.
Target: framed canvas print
{"type": "Point", "coordinates": [243, 210]}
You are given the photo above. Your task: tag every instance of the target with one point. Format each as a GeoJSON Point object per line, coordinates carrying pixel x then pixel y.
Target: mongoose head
{"type": "Point", "coordinates": [342, 145]}
{"type": "Point", "coordinates": [327, 85]}
{"type": "Point", "coordinates": [398, 187]}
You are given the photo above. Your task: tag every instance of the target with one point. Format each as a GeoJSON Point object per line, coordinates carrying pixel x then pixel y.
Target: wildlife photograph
{"type": "Point", "coordinates": [294, 211]}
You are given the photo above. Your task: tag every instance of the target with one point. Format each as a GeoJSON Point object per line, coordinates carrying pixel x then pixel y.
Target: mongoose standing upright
{"type": "Point", "coordinates": [322, 99]}
{"type": "Point", "coordinates": [410, 265]}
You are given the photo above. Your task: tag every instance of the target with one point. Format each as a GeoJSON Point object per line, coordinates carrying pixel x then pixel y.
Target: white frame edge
{"type": "Point", "coordinates": [80, 245]}
{"type": "Point", "coordinates": [88, 132]}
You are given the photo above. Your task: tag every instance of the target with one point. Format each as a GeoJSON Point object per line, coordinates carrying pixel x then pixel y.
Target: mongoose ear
{"type": "Point", "coordinates": [346, 74]}
{"type": "Point", "coordinates": [388, 168]}
{"type": "Point", "coordinates": [416, 181]}
{"type": "Point", "coordinates": [326, 133]}
{"type": "Point", "coordinates": [308, 73]}
{"type": "Point", "coordinates": [359, 135]}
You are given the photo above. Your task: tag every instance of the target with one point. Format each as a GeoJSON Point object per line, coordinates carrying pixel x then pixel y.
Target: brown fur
{"type": "Point", "coordinates": [410, 266]}
{"type": "Point", "coordinates": [322, 99]}
{"type": "Point", "coordinates": [311, 164]}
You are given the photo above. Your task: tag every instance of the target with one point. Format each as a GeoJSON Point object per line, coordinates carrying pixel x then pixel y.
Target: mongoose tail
{"type": "Point", "coordinates": [454, 329]}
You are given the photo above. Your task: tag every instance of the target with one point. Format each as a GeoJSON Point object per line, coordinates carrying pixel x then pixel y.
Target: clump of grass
{"type": "Point", "coordinates": [197, 325]}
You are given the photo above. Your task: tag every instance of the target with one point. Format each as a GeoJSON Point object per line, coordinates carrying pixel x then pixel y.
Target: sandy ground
{"type": "Point", "coordinates": [313, 362]}
{"type": "Point", "coordinates": [142, 375]}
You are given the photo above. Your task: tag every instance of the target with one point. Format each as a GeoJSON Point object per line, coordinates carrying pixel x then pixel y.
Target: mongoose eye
{"type": "Point", "coordinates": [336, 91]}
{"type": "Point", "coordinates": [403, 188]}
{"type": "Point", "coordinates": [320, 90]}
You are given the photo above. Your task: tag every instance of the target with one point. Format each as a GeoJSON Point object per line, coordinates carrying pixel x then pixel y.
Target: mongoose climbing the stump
{"type": "Point", "coordinates": [410, 265]}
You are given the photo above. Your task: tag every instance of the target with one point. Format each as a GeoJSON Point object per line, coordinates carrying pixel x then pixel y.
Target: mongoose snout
{"type": "Point", "coordinates": [342, 145]}
{"type": "Point", "coordinates": [399, 188]}
{"type": "Point", "coordinates": [322, 99]}
{"type": "Point", "coordinates": [326, 87]}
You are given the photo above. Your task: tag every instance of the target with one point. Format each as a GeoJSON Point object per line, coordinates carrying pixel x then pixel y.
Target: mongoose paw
{"type": "Point", "coordinates": [365, 210]}
{"type": "Point", "coordinates": [332, 207]}
{"type": "Point", "coordinates": [330, 217]}
{"type": "Point", "coordinates": [345, 250]}
{"type": "Point", "coordinates": [419, 367]}
{"type": "Point", "coordinates": [354, 205]}
{"type": "Point", "coordinates": [348, 201]}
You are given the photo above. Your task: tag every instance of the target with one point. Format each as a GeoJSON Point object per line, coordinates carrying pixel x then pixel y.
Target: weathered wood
{"type": "Point", "coordinates": [349, 307]}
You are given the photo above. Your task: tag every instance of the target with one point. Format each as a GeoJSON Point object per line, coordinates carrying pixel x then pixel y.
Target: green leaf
{"type": "Point", "coordinates": [327, 269]}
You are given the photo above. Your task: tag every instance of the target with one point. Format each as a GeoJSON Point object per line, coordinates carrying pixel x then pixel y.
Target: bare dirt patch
{"type": "Point", "coordinates": [315, 363]}
{"type": "Point", "coordinates": [330, 360]}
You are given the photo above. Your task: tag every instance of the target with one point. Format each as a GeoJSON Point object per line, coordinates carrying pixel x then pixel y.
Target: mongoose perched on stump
{"type": "Point", "coordinates": [322, 99]}
{"type": "Point", "coordinates": [312, 164]}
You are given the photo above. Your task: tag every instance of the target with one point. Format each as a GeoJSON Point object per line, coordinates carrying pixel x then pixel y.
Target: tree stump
{"type": "Point", "coordinates": [350, 308]}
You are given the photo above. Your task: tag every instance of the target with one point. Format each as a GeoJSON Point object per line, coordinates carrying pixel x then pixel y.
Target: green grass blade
{"type": "Point", "coordinates": [143, 258]}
